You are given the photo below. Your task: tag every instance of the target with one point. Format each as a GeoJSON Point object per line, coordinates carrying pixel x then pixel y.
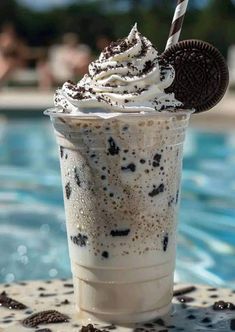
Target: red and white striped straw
{"type": "Point", "coordinates": [177, 22]}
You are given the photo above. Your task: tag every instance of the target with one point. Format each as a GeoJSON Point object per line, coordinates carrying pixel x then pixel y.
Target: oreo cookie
{"type": "Point", "coordinates": [201, 74]}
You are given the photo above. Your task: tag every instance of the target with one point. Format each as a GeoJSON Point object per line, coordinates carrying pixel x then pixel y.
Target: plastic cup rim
{"type": "Point", "coordinates": [168, 114]}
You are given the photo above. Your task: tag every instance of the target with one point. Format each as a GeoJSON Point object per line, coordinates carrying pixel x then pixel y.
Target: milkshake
{"type": "Point", "coordinates": [120, 137]}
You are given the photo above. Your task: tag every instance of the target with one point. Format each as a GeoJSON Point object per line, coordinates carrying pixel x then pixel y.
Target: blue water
{"type": "Point", "coordinates": [32, 230]}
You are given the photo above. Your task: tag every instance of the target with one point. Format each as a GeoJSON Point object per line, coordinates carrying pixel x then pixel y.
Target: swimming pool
{"type": "Point", "coordinates": [33, 241]}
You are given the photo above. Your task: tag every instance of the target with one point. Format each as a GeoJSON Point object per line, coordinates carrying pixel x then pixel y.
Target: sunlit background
{"type": "Point", "coordinates": [42, 44]}
{"type": "Point", "coordinates": [36, 33]}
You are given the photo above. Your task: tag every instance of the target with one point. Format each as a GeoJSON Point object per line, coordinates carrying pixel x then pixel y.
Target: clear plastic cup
{"type": "Point", "coordinates": [121, 181]}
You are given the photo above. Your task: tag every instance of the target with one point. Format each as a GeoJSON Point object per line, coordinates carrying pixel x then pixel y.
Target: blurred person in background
{"type": "Point", "coordinates": [68, 60]}
{"type": "Point", "coordinates": [13, 51]}
{"type": "Point", "coordinates": [44, 72]}
{"type": "Point", "coordinates": [103, 41]}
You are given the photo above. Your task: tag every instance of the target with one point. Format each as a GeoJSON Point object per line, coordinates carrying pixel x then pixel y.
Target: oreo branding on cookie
{"type": "Point", "coordinates": [201, 74]}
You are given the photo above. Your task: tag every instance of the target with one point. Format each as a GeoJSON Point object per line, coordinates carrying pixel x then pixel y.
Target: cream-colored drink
{"type": "Point", "coordinates": [121, 138]}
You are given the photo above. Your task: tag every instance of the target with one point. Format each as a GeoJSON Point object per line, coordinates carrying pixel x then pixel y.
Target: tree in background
{"type": "Point", "coordinates": [216, 24]}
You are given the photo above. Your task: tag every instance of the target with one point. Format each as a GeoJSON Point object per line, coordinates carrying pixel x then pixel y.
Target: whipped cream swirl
{"type": "Point", "coordinates": [127, 78]}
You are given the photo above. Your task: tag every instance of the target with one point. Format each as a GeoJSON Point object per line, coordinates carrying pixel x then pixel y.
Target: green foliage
{"type": "Point", "coordinates": [215, 23]}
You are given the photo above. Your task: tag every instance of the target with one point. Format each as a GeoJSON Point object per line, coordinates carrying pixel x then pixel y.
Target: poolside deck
{"type": "Point", "coordinates": [194, 310]}
{"type": "Point", "coordinates": [20, 102]}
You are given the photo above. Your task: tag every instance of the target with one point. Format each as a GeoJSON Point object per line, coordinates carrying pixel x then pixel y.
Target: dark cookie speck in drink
{"type": "Point", "coordinates": [113, 148]}
{"type": "Point", "coordinates": [68, 190]}
{"type": "Point", "coordinates": [80, 239]}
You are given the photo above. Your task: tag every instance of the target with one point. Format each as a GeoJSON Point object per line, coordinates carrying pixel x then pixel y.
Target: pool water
{"type": "Point", "coordinates": [33, 242]}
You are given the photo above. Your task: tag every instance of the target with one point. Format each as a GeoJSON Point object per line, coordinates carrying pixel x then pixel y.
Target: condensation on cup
{"type": "Point", "coordinates": [121, 183]}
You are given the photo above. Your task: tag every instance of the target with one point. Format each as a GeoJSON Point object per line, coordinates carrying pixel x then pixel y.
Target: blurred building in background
{"type": "Point", "coordinates": [43, 43]}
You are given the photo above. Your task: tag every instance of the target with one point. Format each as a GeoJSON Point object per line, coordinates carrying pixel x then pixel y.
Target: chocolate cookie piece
{"type": "Point", "coordinates": [201, 74]}
{"type": "Point", "coordinates": [90, 328]}
{"type": "Point", "coordinates": [9, 303]}
{"type": "Point", "coordinates": [221, 305]}
{"type": "Point", "coordinates": [183, 291]}
{"type": "Point", "coordinates": [45, 317]}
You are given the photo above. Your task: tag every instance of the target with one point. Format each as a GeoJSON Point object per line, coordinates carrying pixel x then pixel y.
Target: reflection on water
{"type": "Point", "coordinates": [207, 217]}
{"type": "Point", "coordinates": [32, 228]}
